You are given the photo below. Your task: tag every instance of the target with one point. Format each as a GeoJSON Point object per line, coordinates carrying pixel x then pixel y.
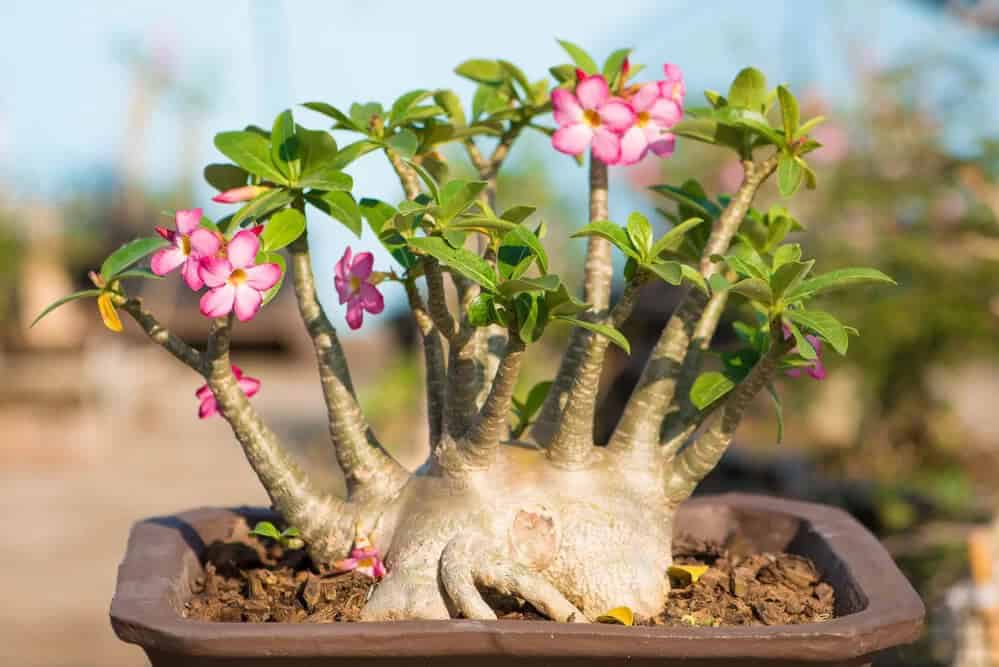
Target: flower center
{"type": "Point", "coordinates": [592, 118]}
{"type": "Point", "coordinates": [355, 284]}
{"type": "Point", "coordinates": [642, 119]}
{"type": "Point", "coordinates": [237, 277]}
{"type": "Point", "coordinates": [185, 244]}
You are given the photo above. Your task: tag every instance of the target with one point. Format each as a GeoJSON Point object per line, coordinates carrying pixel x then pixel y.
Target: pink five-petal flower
{"type": "Point", "coordinates": [235, 282]}
{"type": "Point", "coordinates": [190, 243]}
{"type": "Point", "coordinates": [209, 406]}
{"type": "Point", "coordinates": [654, 116]}
{"type": "Point", "coordinates": [590, 117]}
{"type": "Point", "coordinates": [364, 558]}
{"type": "Point", "coordinates": [673, 86]}
{"type": "Point", "coordinates": [817, 370]}
{"type": "Point", "coordinates": [354, 287]}
{"type": "Point", "coordinates": [241, 194]}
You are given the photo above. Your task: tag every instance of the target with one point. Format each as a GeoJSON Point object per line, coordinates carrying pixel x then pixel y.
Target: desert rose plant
{"type": "Point", "coordinates": [516, 495]}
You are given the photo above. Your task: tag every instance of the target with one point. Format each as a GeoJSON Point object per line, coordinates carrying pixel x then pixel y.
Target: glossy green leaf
{"type": "Point", "coordinates": [362, 114]}
{"type": "Point", "coordinates": [516, 74]}
{"type": "Point", "coordinates": [521, 236]}
{"type": "Point", "coordinates": [317, 149]}
{"type": "Point", "coordinates": [561, 302]}
{"type": "Point", "coordinates": [481, 71]}
{"type": "Point", "coordinates": [427, 179]}
{"type": "Point", "coordinates": [130, 253]}
{"type": "Point", "coordinates": [699, 205]}
{"type": "Point", "coordinates": [609, 332]}
{"type": "Point", "coordinates": [672, 239]}
{"type": "Point", "coordinates": [328, 179]}
{"type": "Point", "coordinates": [377, 213]}
{"type": "Point", "coordinates": [606, 229]}
{"type": "Point", "coordinates": [612, 66]}
{"type": "Point", "coordinates": [480, 310]}
{"type": "Point", "coordinates": [834, 280]}
{"type": "Point", "coordinates": [640, 233]}
{"type": "Point", "coordinates": [788, 275]}
{"type": "Point", "coordinates": [755, 289]}
{"type": "Point", "coordinates": [282, 229]}
{"type": "Point", "coordinates": [563, 73]}
{"type": "Point", "coordinates": [748, 90]}
{"type": "Point", "coordinates": [536, 398]}
{"type": "Point", "coordinates": [778, 407]}
{"type": "Point", "coordinates": [511, 288]}
{"type": "Point", "coordinates": [224, 177]}
{"type": "Point", "coordinates": [789, 112]}
{"type": "Point", "coordinates": [260, 207]}
{"type": "Point", "coordinates": [351, 152]}
{"type": "Point", "coordinates": [266, 529]}
{"type": "Point", "coordinates": [459, 260]}
{"type": "Point", "coordinates": [517, 214]}
{"type": "Point", "coordinates": [671, 272]}
{"type": "Point", "coordinates": [789, 175]}
{"type": "Point", "coordinates": [285, 149]}
{"type": "Point", "coordinates": [708, 388]}
{"type": "Point", "coordinates": [790, 252]}
{"type": "Point", "coordinates": [803, 347]}
{"type": "Point", "coordinates": [404, 142]}
{"type": "Point", "coordinates": [810, 125]}
{"type": "Point", "coordinates": [405, 103]}
{"type": "Point", "coordinates": [825, 325]}
{"type": "Point", "coordinates": [342, 120]}
{"type": "Point", "coordinates": [456, 196]}
{"type": "Point", "coordinates": [580, 57]}
{"type": "Point", "coordinates": [695, 277]}
{"type": "Point", "coordinates": [340, 206]}
{"type": "Point", "coordinates": [138, 273]}
{"type": "Point", "coordinates": [84, 294]}
{"type": "Point", "coordinates": [451, 103]}
{"type": "Point", "coordinates": [251, 152]}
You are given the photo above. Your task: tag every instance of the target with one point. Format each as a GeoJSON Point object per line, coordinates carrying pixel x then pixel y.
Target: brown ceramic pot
{"type": "Point", "coordinates": [876, 607]}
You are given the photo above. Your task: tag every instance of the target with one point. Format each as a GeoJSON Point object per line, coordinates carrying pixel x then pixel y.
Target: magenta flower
{"type": "Point", "coordinates": [817, 369]}
{"type": "Point", "coordinates": [236, 282]}
{"type": "Point", "coordinates": [655, 114]}
{"type": "Point", "coordinates": [672, 86]}
{"type": "Point", "coordinates": [209, 406]}
{"type": "Point", "coordinates": [190, 244]}
{"type": "Point", "coordinates": [353, 284]}
{"type": "Point", "coordinates": [364, 558]}
{"type": "Point", "coordinates": [236, 195]}
{"type": "Point", "coordinates": [591, 117]}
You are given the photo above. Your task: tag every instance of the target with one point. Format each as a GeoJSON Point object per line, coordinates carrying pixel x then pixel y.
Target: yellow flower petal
{"type": "Point", "coordinates": [686, 574]}
{"type": "Point", "coordinates": [108, 313]}
{"type": "Point", "coordinates": [618, 616]}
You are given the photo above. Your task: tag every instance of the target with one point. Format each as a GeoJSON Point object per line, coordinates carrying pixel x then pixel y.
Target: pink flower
{"type": "Point", "coordinates": [364, 558]}
{"type": "Point", "coordinates": [672, 86]}
{"type": "Point", "coordinates": [235, 195]}
{"type": "Point", "coordinates": [655, 114]}
{"type": "Point", "coordinates": [353, 284]}
{"type": "Point", "coordinates": [590, 117]}
{"type": "Point", "coordinates": [236, 282]}
{"type": "Point", "coordinates": [209, 406]}
{"type": "Point", "coordinates": [817, 369]}
{"type": "Point", "coordinates": [191, 243]}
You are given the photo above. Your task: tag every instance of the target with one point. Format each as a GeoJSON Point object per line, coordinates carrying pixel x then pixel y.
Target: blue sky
{"type": "Point", "coordinates": [65, 89]}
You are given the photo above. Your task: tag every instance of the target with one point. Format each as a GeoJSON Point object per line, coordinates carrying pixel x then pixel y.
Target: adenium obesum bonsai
{"type": "Point", "coordinates": [516, 495]}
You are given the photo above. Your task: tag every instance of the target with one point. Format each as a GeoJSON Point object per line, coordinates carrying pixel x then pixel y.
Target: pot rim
{"type": "Point", "coordinates": [154, 564]}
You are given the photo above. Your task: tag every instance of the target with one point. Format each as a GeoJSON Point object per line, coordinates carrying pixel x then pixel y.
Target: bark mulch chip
{"type": "Point", "coordinates": [248, 581]}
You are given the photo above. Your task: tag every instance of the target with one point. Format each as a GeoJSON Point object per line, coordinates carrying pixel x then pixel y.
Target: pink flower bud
{"type": "Point", "coordinates": [236, 195]}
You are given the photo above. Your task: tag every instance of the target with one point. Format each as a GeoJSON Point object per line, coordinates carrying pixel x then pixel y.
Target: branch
{"type": "Point", "coordinates": [433, 358]}
{"type": "Point", "coordinates": [572, 445]}
{"type": "Point", "coordinates": [326, 523]}
{"type": "Point", "coordinates": [160, 335]}
{"type": "Point", "coordinates": [368, 469]}
{"type": "Point", "coordinates": [639, 428]}
{"type": "Point", "coordinates": [477, 450]}
{"type": "Point", "coordinates": [695, 462]}
{"type": "Point", "coordinates": [598, 271]}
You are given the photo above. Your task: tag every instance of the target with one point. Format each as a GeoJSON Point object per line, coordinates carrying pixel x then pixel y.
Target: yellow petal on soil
{"type": "Point", "coordinates": [108, 313]}
{"type": "Point", "coordinates": [686, 574]}
{"type": "Point", "coordinates": [618, 616]}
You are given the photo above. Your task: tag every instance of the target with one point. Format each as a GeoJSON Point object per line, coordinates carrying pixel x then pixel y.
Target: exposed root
{"type": "Point", "coordinates": [468, 563]}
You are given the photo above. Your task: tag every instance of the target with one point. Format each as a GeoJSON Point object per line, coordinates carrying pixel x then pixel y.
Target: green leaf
{"type": "Point", "coordinates": [517, 214]}
{"type": "Point", "coordinates": [451, 103]}
{"type": "Point", "coordinates": [362, 114]}
{"type": "Point", "coordinates": [521, 236]}
{"type": "Point", "coordinates": [747, 262]}
{"type": "Point", "coordinates": [251, 152]}
{"type": "Point", "coordinates": [480, 310]}
{"type": "Point", "coordinates": [87, 293]}
{"type": "Point", "coordinates": [772, 390]}
{"type": "Point", "coordinates": [640, 233]}
{"type": "Point", "coordinates": [671, 272]}
{"type": "Point", "coordinates": [809, 125]}
{"type": "Point", "coordinates": [530, 322]}
{"type": "Point", "coordinates": [789, 175]}
{"type": "Point", "coordinates": [285, 149]}
{"type": "Point", "coordinates": [748, 90]}
{"type": "Point", "coordinates": [708, 388]}
{"type": "Point", "coordinates": [463, 261]}
{"type": "Point", "coordinates": [377, 213]}
{"type": "Point", "coordinates": [580, 57]}
{"type": "Point", "coordinates": [340, 206]}
{"type": "Point", "coordinates": [516, 74]}
{"type": "Point", "coordinates": [395, 243]}
{"type": "Point", "coordinates": [694, 276]}
{"type": "Point", "coordinates": [563, 73]}
{"type": "Point", "coordinates": [351, 152]}
{"type": "Point", "coordinates": [511, 288]}
{"type": "Point", "coordinates": [260, 207]}
{"type": "Point", "coordinates": [790, 252]}
{"type": "Point", "coordinates": [788, 275]}
{"type": "Point", "coordinates": [282, 229]}
{"type": "Point", "coordinates": [224, 177]}
{"type": "Point", "coordinates": [755, 289]}
{"type": "Point", "coordinates": [342, 120]}
{"type": "Point", "coordinates": [825, 325]}
{"type": "Point", "coordinates": [273, 258]}
{"type": "Point", "coordinates": [612, 66]}
{"type": "Point", "coordinates": [788, 112]}
{"type": "Point", "coordinates": [718, 283]}
{"type": "Point", "coordinates": [137, 273]}
{"type": "Point", "coordinates": [266, 529]}
{"type": "Point", "coordinates": [803, 346]}
{"type": "Point", "coordinates": [606, 229]}
{"type": "Point", "coordinates": [535, 399]}
{"type": "Point", "coordinates": [317, 149]}
{"type": "Point", "coordinates": [481, 71]}
{"type": "Point", "coordinates": [129, 254]}
{"type": "Point", "coordinates": [671, 239]}
{"type": "Point", "coordinates": [700, 206]}
{"type": "Point", "coordinates": [613, 334]}
{"type": "Point", "coordinates": [405, 102]}
{"type": "Point", "coordinates": [560, 302]}
{"type": "Point", "coordinates": [427, 179]}
{"type": "Point", "coordinates": [715, 99]}
{"type": "Point", "coordinates": [456, 196]}
{"type": "Point", "coordinates": [404, 142]}
{"type": "Point", "coordinates": [327, 178]}
{"type": "Point", "coordinates": [834, 280]}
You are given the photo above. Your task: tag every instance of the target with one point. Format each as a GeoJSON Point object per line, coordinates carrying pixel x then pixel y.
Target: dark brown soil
{"type": "Point", "coordinates": [248, 581]}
